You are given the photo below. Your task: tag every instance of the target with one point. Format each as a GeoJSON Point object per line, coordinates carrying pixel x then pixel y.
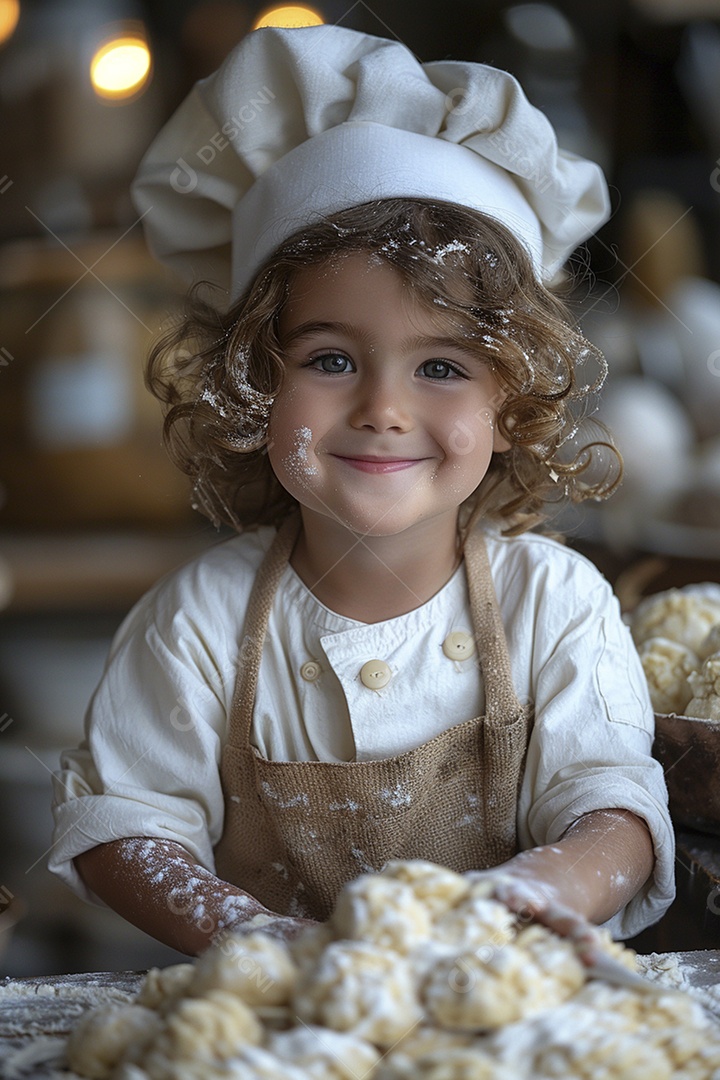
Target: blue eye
{"type": "Point", "coordinates": [438, 369]}
{"type": "Point", "coordinates": [333, 363]}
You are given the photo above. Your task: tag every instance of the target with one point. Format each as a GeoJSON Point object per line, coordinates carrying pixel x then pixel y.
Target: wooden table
{"type": "Point", "coordinates": [36, 1015]}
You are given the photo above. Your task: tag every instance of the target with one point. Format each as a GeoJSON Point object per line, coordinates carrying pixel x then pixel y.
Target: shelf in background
{"type": "Point", "coordinates": [45, 573]}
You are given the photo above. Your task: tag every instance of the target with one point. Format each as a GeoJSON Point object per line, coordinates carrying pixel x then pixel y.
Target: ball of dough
{"type": "Point", "coordinates": [360, 987]}
{"type": "Point", "coordinates": [256, 967]}
{"type": "Point", "coordinates": [711, 643]}
{"type": "Point", "coordinates": [683, 617]}
{"type": "Point", "coordinates": [587, 1047]}
{"type": "Point", "coordinates": [332, 1055]}
{"type": "Point", "coordinates": [103, 1036]}
{"type": "Point", "coordinates": [705, 684]}
{"type": "Point", "coordinates": [381, 910]}
{"type": "Point", "coordinates": [162, 986]}
{"type": "Point", "coordinates": [667, 665]}
{"type": "Point", "coordinates": [437, 887]}
{"type": "Point", "coordinates": [206, 1029]}
{"type": "Point", "coordinates": [475, 923]}
{"type": "Point", "coordinates": [482, 990]}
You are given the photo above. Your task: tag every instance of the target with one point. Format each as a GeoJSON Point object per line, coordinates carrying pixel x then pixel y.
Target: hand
{"type": "Point", "coordinates": [282, 927]}
{"type": "Point", "coordinates": [532, 899]}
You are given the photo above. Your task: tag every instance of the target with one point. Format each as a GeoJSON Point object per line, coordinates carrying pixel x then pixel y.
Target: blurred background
{"type": "Point", "coordinates": [91, 511]}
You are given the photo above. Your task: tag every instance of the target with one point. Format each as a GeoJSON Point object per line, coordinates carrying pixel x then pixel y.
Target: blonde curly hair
{"type": "Point", "coordinates": [218, 372]}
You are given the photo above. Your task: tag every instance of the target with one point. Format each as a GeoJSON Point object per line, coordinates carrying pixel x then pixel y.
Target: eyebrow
{"type": "Point", "coordinates": [413, 344]}
{"type": "Point", "coordinates": [307, 329]}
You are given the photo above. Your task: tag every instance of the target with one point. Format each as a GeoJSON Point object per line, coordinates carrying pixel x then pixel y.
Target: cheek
{"type": "Point", "coordinates": [291, 448]}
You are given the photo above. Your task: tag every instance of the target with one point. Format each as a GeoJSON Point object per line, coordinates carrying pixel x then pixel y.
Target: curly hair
{"type": "Point", "coordinates": [218, 372]}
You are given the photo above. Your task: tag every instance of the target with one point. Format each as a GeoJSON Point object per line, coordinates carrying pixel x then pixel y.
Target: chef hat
{"type": "Point", "coordinates": [298, 124]}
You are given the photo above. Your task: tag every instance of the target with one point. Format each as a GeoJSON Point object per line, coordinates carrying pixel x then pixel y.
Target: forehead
{"type": "Point", "coordinates": [358, 285]}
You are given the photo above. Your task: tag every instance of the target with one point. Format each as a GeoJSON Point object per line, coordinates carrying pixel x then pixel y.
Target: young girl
{"type": "Point", "coordinates": [384, 662]}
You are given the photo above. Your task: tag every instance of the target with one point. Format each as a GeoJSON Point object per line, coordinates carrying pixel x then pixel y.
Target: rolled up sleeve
{"type": "Point", "coordinates": [591, 744]}
{"type": "Point", "coordinates": [149, 763]}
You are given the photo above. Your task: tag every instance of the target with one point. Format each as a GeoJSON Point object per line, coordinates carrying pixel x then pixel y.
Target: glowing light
{"type": "Point", "coordinates": [289, 15]}
{"type": "Point", "coordinates": [121, 67]}
{"type": "Point", "coordinates": [9, 15]}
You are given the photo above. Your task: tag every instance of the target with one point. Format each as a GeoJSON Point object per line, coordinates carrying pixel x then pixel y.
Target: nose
{"type": "Point", "coordinates": [381, 405]}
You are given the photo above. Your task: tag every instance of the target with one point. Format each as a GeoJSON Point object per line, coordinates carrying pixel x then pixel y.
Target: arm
{"type": "Point", "coordinates": [157, 886]}
{"type": "Point", "coordinates": [598, 865]}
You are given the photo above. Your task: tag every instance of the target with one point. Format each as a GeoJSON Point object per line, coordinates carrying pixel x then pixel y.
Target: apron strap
{"type": "Point", "coordinates": [500, 697]}
{"type": "Point", "coordinates": [260, 603]}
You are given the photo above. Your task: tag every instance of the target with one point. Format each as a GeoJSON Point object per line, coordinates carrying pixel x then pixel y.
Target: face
{"type": "Point", "coordinates": [384, 420]}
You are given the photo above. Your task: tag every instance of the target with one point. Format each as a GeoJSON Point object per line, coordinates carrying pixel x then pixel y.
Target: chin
{"type": "Point", "coordinates": [367, 524]}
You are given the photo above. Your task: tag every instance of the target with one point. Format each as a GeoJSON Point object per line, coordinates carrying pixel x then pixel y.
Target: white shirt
{"type": "Point", "coordinates": [149, 765]}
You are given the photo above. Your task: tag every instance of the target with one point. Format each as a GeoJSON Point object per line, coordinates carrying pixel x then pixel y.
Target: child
{"type": "Point", "coordinates": [384, 662]}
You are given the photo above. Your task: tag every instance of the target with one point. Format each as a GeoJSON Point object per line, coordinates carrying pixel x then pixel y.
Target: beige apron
{"type": "Point", "coordinates": [296, 831]}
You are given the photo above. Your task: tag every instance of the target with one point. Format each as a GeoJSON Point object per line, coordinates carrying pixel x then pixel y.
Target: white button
{"type": "Point", "coordinates": [310, 670]}
{"type": "Point", "coordinates": [458, 645]}
{"type": "Point", "coordinates": [375, 674]}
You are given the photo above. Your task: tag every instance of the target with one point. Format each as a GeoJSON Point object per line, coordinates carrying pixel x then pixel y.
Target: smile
{"type": "Point", "coordinates": [379, 465]}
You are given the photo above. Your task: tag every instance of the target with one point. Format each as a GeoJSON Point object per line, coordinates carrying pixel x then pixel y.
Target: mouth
{"type": "Point", "coordinates": [378, 464]}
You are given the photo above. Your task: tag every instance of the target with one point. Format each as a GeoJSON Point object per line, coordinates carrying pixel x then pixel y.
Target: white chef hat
{"type": "Point", "coordinates": [297, 124]}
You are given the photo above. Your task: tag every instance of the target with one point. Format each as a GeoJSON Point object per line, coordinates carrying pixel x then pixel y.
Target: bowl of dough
{"type": "Point", "coordinates": [677, 634]}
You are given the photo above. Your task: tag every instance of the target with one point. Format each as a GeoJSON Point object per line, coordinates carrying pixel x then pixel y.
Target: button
{"type": "Point", "coordinates": [375, 674]}
{"type": "Point", "coordinates": [310, 670]}
{"type": "Point", "coordinates": [458, 645]}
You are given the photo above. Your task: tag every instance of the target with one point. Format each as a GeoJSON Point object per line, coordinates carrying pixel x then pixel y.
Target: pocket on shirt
{"type": "Point", "coordinates": [621, 680]}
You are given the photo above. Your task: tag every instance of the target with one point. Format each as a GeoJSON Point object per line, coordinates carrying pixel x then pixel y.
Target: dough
{"type": "Point", "coordinates": [481, 990]}
{"type": "Point", "coordinates": [357, 986]}
{"type": "Point", "coordinates": [201, 1031]}
{"type": "Point", "coordinates": [705, 684]}
{"type": "Point", "coordinates": [583, 1049]}
{"type": "Point", "coordinates": [307, 947]}
{"type": "Point", "coordinates": [256, 967]}
{"type": "Point", "coordinates": [256, 1063]}
{"type": "Point", "coordinates": [476, 923]}
{"type": "Point", "coordinates": [162, 986]}
{"type": "Point", "coordinates": [457, 1063]}
{"type": "Point", "coordinates": [667, 665]}
{"type": "Point", "coordinates": [438, 888]}
{"type": "Point", "coordinates": [424, 1039]}
{"type": "Point", "coordinates": [682, 616]}
{"type": "Point", "coordinates": [672, 1030]}
{"type": "Point", "coordinates": [449, 986]}
{"type": "Point", "coordinates": [332, 1055]}
{"type": "Point", "coordinates": [104, 1036]}
{"type": "Point", "coordinates": [382, 910]}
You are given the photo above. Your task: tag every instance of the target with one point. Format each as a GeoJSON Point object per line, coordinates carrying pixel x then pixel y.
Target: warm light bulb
{"type": "Point", "coordinates": [120, 67]}
{"type": "Point", "coordinates": [9, 15]}
{"type": "Point", "coordinates": [289, 15]}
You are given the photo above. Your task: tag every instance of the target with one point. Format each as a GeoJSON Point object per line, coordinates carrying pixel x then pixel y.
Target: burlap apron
{"type": "Point", "coordinates": [295, 832]}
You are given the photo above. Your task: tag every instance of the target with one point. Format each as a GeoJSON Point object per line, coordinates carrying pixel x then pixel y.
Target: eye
{"type": "Point", "coordinates": [440, 369]}
{"type": "Point", "coordinates": [333, 363]}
